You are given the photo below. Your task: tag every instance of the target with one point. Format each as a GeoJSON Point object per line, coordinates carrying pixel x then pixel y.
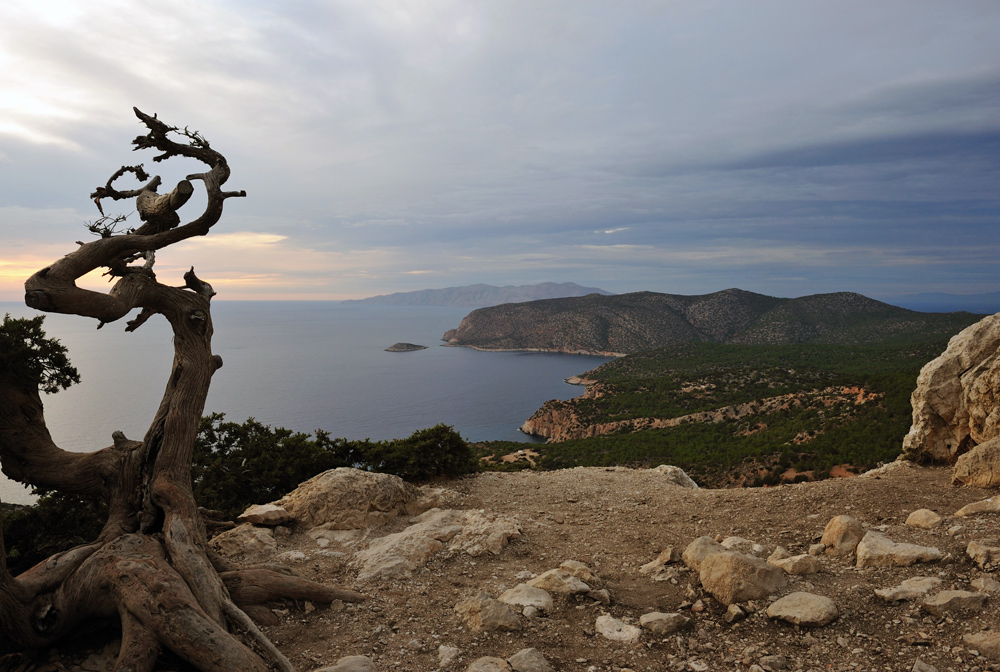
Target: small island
{"type": "Point", "coordinates": [405, 347]}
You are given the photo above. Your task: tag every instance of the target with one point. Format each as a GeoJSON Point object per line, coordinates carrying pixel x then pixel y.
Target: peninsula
{"type": "Point", "coordinates": [629, 323]}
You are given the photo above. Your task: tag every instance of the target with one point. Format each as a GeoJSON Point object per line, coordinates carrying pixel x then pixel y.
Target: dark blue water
{"type": "Point", "coordinates": [306, 366]}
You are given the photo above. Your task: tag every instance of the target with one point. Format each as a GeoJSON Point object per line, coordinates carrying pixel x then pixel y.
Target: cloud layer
{"type": "Point", "coordinates": [778, 146]}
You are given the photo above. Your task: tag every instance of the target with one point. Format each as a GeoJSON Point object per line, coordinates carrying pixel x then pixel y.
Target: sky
{"type": "Point", "coordinates": [787, 147]}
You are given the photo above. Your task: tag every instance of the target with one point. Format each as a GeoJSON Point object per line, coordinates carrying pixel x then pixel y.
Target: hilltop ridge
{"type": "Point", "coordinates": [480, 295]}
{"type": "Point", "coordinates": [629, 323]}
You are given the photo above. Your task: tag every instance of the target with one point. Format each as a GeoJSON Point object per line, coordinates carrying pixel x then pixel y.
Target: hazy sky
{"type": "Point", "coordinates": [784, 147]}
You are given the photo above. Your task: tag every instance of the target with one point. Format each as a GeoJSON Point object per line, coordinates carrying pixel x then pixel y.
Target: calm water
{"type": "Point", "coordinates": [305, 366]}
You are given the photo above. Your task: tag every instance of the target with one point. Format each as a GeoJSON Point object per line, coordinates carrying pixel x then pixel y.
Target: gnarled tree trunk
{"type": "Point", "coordinates": [150, 566]}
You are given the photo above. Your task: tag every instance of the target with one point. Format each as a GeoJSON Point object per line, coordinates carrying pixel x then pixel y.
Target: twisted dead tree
{"type": "Point", "coordinates": [150, 567]}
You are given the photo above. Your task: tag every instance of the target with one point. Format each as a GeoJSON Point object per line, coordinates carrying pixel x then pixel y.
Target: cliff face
{"type": "Point", "coordinates": [627, 323]}
{"type": "Point", "coordinates": [956, 404]}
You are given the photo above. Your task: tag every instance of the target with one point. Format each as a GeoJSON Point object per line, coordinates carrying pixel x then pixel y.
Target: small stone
{"type": "Point", "coordinates": [817, 549]}
{"type": "Point", "coordinates": [773, 663]}
{"type": "Point", "coordinates": [924, 518]}
{"type": "Point", "coordinates": [735, 614]}
{"type": "Point", "coordinates": [982, 553]}
{"type": "Point", "coordinates": [660, 623]}
{"type": "Point", "coordinates": [522, 595]}
{"type": "Point", "coordinates": [529, 660]}
{"type": "Point", "coordinates": [270, 515]}
{"type": "Point", "coordinates": [350, 664]}
{"type": "Point", "coordinates": [611, 628]}
{"type": "Point", "coordinates": [559, 581]}
{"type": "Point", "coordinates": [582, 572]}
{"type": "Point", "coordinates": [447, 655]}
{"type": "Point", "coordinates": [920, 666]}
{"type": "Point", "coordinates": [804, 609]}
{"type": "Point", "coordinates": [948, 601]}
{"type": "Point", "coordinates": [986, 584]}
{"type": "Point", "coordinates": [483, 613]}
{"type": "Point", "coordinates": [910, 589]}
{"type": "Point", "coordinates": [489, 664]}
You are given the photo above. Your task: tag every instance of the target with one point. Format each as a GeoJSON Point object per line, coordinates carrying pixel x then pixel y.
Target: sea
{"type": "Point", "coordinates": [304, 365]}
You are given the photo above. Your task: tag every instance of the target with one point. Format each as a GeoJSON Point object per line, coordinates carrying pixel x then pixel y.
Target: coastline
{"type": "Point", "coordinates": [553, 351]}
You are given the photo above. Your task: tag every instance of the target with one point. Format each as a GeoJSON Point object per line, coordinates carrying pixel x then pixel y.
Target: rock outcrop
{"type": "Point", "coordinates": [956, 404]}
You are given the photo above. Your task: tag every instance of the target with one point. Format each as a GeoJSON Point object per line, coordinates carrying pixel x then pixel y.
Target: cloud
{"type": "Point", "coordinates": [383, 144]}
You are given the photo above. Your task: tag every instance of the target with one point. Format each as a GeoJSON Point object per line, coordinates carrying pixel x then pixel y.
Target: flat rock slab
{"type": "Point", "coordinates": [911, 589]}
{"type": "Point", "coordinates": [265, 514]}
{"type": "Point", "coordinates": [876, 550]}
{"type": "Point", "coordinates": [805, 609]}
{"type": "Point", "coordinates": [982, 506]}
{"type": "Point", "coordinates": [987, 643]}
{"type": "Point", "coordinates": [489, 664]}
{"type": "Point", "coordinates": [611, 628]}
{"type": "Point", "coordinates": [950, 601]}
{"type": "Point", "coordinates": [660, 623]}
{"type": "Point", "coordinates": [983, 553]}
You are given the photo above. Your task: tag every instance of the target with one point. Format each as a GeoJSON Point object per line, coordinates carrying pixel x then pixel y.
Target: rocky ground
{"type": "Point", "coordinates": [615, 521]}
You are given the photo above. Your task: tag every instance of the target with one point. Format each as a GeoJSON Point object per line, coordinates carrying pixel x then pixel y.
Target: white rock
{"type": "Point", "coordinates": [611, 628]}
{"type": "Point", "coordinates": [447, 655]}
{"type": "Point", "coordinates": [875, 550]}
{"type": "Point", "coordinates": [270, 515]}
{"type": "Point", "coordinates": [910, 589]}
{"type": "Point", "coordinates": [676, 476]}
{"type": "Point", "coordinates": [991, 505]}
{"type": "Point", "coordinates": [522, 595]}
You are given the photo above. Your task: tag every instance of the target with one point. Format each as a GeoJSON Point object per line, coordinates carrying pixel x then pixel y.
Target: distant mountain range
{"type": "Point", "coordinates": [936, 302]}
{"type": "Point", "coordinates": [477, 296]}
{"type": "Point", "coordinates": [628, 323]}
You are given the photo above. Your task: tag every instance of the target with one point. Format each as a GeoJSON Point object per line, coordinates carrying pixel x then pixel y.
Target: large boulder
{"type": "Point", "coordinates": [347, 499]}
{"type": "Point", "coordinates": [956, 404]}
{"type": "Point", "coordinates": [980, 467]}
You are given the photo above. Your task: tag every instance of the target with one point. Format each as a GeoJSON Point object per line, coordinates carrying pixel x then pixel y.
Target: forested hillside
{"type": "Point", "coordinates": [630, 323]}
{"type": "Point", "coordinates": [738, 414]}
